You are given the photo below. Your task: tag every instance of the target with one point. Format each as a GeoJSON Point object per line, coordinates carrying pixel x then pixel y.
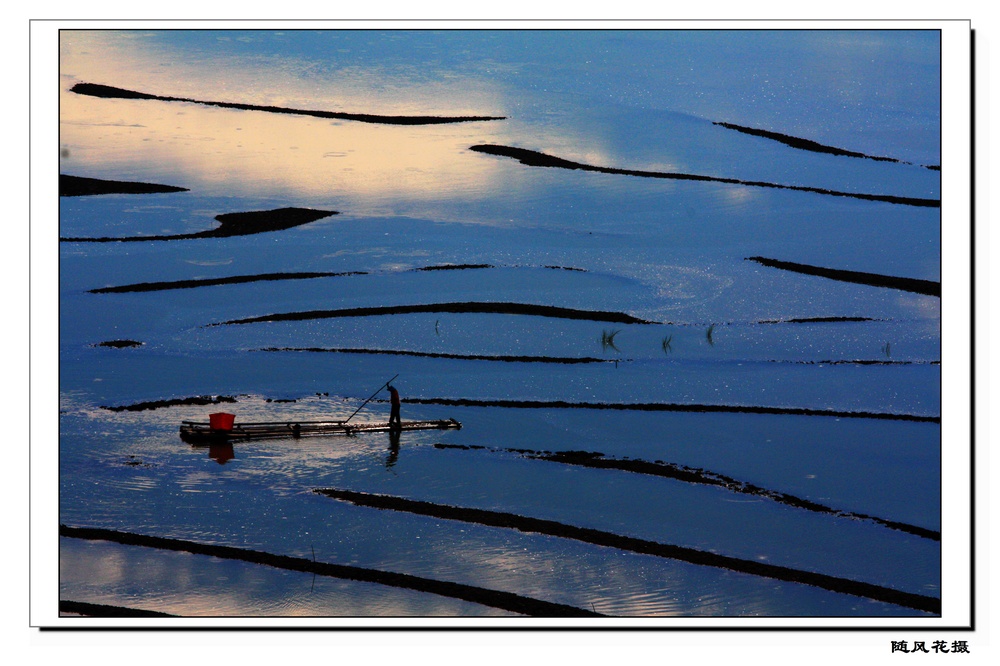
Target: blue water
{"type": "Point", "coordinates": [408, 197]}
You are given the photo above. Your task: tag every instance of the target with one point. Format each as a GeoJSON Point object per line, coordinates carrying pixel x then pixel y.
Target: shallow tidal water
{"type": "Point", "coordinates": [848, 374]}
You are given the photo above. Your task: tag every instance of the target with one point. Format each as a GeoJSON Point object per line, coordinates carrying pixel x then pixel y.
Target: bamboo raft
{"type": "Point", "coordinates": [196, 432]}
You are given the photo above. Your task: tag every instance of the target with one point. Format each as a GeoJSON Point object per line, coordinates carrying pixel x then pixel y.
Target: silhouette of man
{"type": "Point", "coordinates": [394, 420]}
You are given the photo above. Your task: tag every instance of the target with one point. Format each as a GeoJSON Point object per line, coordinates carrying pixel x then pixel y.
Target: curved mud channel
{"type": "Point", "coordinates": [812, 146]}
{"type": "Point", "coordinates": [597, 460]}
{"type": "Point", "coordinates": [474, 307]}
{"type": "Point", "coordinates": [461, 357]}
{"type": "Point", "coordinates": [601, 538]}
{"type": "Point", "coordinates": [925, 287]}
{"type": "Point", "coordinates": [671, 407]}
{"type": "Point", "coordinates": [232, 224]}
{"type": "Point", "coordinates": [78, 186]}
{"type": "Point", "coordinates": [504, 600]}
{"type": "Point", "coordinates": [538, 159]}
{"type": "Point", "coordinates": [110, 92]}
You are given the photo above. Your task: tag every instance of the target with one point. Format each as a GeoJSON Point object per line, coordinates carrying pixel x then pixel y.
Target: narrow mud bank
{"type": "Point", "coordinates": [174, 402]}
{"type": "Point", "coordinates": [925, 287]}
{"type": "Point", "coordinates": [600, 538]}
{"type": "Point", "coordinates": [812, 146]}
{"type": "Point", "coordinates": [212, 282]}
{"type": "Point", "coordinates": [119, 344]}
{"type": "Point", "coordinates": [495, 599]}
{"type": "Point", "coordinates": [461, 357]}
{"type": "Point", "coordinates": [816, 320]}
{"type": "Point", "coordinates": [103, 610]}
{"type": "Point", "coordinates": [451, 308]}
{"type": "Point", "coordinates": [78, 186]}
{"type": "Point", "coordinates": [454, 267]}
{"type": "Point", "coordinates": [232, 224]}
{"type": "Point", "coordinates": [535, 158]}
{"type": "Point", "coordinates": [597, 460]}
{"type": "Point", "coordinates": [110, 92]}
{"type": "Point", "coordinates": [671, 407]}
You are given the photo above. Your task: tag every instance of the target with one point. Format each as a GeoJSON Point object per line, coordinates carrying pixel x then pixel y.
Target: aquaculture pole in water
{"type": "Point", "coordinates": [370, 398]}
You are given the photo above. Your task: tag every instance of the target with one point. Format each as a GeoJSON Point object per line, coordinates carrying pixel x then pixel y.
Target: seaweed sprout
{"type": "Point", "coordinates": [608, 340]}
{"type": "Point", "coordinates": [667, 348]}
{"type": "Point", "coordinates": [887, 350]}
{"type": "Point", "coordinates": [708, 334]}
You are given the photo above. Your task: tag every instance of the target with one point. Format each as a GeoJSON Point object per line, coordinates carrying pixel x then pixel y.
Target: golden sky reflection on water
{"type": "Point", "coordinates": [368, 168]}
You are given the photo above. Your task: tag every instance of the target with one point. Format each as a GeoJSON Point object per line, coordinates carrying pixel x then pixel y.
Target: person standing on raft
{"type": "Point", "coordinates": [394, 421]}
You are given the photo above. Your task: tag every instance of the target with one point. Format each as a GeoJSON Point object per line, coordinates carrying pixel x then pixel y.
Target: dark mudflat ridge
{"type": "Point", "coordinates": [102, 610]}
{"type": "Point", "coordinates": [174, 402]}
{"type": "Point", "coordinates": [233, 224]}
{"type": "Point", "coordinates": [926, 287]}
{"type": "Point", "coordinates": [463, 357]}
{"type": "Point", "coordinates": [78, 186]}
{"type": "Point", "coordinates": [119, 344]}
{"type": "Point", "coordinates": [670, 407]}
{"type": "Point", "coordinates": [109, 92]}
{"type": "Point", "coordinates": [806, 144]}
{"type": "Point", "coordinates": [632, 544]}
{"type": "Point", "coordinates": [211, 282]}
{"type": "Point", "coordinates": [458, 308]}
{"type": "Point", "coordinates": [535, 158]}
{"type": "Point", "coordinates": [677, 472]}
{"type": "Point", "coordinates": [495, 599]}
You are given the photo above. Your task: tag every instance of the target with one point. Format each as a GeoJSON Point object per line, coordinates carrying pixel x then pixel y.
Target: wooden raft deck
{"type": "Point", "coordinates": [202, 433]}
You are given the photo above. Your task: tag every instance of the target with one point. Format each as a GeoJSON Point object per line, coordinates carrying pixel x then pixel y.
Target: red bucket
{"type": "Point", "coordinates": [221, 421]}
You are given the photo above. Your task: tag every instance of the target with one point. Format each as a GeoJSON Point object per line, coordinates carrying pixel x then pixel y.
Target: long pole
{"type": "Point", "coordinates": [370, 398]}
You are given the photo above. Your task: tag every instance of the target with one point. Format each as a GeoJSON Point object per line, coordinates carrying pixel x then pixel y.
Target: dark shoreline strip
{"type": "Point", "coordinates": [232, 224]}
{"type": "Point", "coordinates": [925, 287]}
{"type": "Point", "coordinates": [697, 475]}
{"type": "Point", "coordinates": [173, 402]}
{"type": "Point", "coordinates": [110, 92]}
{"type": "Point", "coordinates": [461, 357]}
{"type": "Point", "coordinates": [535, 158]}
{"type": "Point", "coordinates": [632, 544]}
{"type": "Point", "coordinates": [211, 282]}
{"type": "Point", "coordinates": [460, 308]}
{"type": "Point", "coordinates": [815, 320]}
{"type": "Point", "coordinates": [78, 186]}
{"type": "Point", "coordinates": [805, 144]}
{"type": "Point", "coordinates": [493, 598]}
{"type": "Point", "coordinates": [669, 407]}
{"type": "Point", "coordinates": [103, 610]}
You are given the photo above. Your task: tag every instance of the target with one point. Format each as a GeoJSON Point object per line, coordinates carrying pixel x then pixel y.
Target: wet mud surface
{"type": "Point", "coordinates": [455, 308]}
{"type": "Point", "coordinates": [78, 186]}
{"type": "Point", "coordinates": [538, 159]}
{"type": "Point", "coordinates": [495, 599]}
{"type": "Point", "coordinates": [926, 287]}
{"type": "Point", "coordinates": [173, 402]}
{"type": "Point", "coordinates": [110, 92]}
{"type": "Point", "coordinates": [632, 544]}
{"type": "Point", "coordinates": [212, 282]}
{"type": "Point", "coordinates": [463, 357]}
{"type": "Point", "coordinates": [812, 146]}
{"type": "Point", "coordinates": [670, 407]}
{"type": "Point", "coordinates": [232, 224]}
{"type": "Point", "coordinates": [677, 472]}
